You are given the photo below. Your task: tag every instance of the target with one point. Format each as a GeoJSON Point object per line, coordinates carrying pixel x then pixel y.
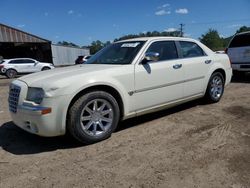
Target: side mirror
{"type": "Point", "coordinates": [36, 62]}
{"type": "Point", "coordinates": [152, 56]}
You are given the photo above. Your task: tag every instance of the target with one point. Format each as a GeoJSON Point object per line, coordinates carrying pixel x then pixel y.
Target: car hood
{"type": "Point", "coordinates": [65, 76]}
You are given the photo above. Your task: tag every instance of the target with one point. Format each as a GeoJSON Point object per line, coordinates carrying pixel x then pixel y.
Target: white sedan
{"type": "Point", "coordinates": [124, 80]}
{"type": "Point", "coordinates": [12, 67]}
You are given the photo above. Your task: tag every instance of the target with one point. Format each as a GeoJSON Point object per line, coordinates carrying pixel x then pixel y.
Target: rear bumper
{"type": "Point", "coordinates": [241, 66]}
{"type": "Point", "coordinates": [229, 74]}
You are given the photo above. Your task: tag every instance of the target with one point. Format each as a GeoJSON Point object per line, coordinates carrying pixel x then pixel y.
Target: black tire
{"type": "Point", "coordinates": [80, 109]}
{"type": "Point", "coordinates": [45, 68]}
{"type": "Point", "coordinates": [213, 93]}
{"type": "Point", "coordinates": [11, 73]}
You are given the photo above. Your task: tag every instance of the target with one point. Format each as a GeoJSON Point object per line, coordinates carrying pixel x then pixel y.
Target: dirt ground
{"type": "Point", "coordinates": [192, 145]}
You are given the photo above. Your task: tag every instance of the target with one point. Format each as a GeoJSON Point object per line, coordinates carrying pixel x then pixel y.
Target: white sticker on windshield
{"type": "Point", "coordinates": [130, 45]}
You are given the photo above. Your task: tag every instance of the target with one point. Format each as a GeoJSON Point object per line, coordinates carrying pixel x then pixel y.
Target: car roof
{"type": "Point", "coordinates": [243, 33]}
{"type": "Point", "coordinates": [156, 38]}
{"type": "Point", "coordinates": [18, 59]}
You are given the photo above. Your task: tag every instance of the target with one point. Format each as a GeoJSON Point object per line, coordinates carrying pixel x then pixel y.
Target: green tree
{"type": "Point", "coordinates": [96, 46]}
{"type": "Point", "coordinates": [212, 40]}
{"type": "Point", "coordinates": [65, 43]}
{"type": "Point", "coordinates": [243, 29]}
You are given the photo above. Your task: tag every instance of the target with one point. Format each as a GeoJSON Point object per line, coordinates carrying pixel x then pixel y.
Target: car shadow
{"type": "Point", "coordinates": [159, 114]}
{"type": "Point", "coordinates": [18, 142]}
{"type": "Point", "coordinates": [241, 78]}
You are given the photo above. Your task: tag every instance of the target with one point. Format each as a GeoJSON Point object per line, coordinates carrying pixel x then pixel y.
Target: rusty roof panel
{"type": "Point", "coordinates": [9, 34]}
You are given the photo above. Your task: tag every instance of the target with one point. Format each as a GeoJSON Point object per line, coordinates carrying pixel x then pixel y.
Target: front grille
{"type": "Point", "coordinates": [14, 93]}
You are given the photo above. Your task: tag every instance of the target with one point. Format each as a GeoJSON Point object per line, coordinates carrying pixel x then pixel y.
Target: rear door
{"type": "Point", "coordinates": [29, 65]}
{"type": "Point", "coordinates": [18, 65]}
{"type": "Point", "coordinates": [195, 66]}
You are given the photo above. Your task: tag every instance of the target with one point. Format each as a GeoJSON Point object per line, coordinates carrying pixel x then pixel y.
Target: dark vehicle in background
{"type": "Point", "coordinates": [82, 59]}
{"type": "Point", "coordinates": [239, 52]}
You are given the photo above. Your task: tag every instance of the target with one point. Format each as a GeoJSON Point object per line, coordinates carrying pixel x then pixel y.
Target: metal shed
{"type": "Point", "coordinates": [15, 43]}
{"type": "Point", "coordinates": [65, 55]}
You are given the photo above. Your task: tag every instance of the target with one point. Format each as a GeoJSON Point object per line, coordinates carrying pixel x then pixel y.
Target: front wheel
{"type": "Point", "coordinates": [215, 88]}
{"type": "Point", "coordinates": [93, 117]}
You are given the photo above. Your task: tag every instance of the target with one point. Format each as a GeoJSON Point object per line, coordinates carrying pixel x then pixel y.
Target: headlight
{"type": "Point", "coordinates": [35, 95]}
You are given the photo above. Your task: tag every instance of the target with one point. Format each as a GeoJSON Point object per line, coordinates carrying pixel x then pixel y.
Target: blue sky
{"type": "Point", "coordinates": [82, 21]}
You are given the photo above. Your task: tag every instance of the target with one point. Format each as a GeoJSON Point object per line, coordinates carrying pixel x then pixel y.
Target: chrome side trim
{"type": "Point", "coordinates": [169, 104]}
{"type": "Point", "coordinates": [164, 85]}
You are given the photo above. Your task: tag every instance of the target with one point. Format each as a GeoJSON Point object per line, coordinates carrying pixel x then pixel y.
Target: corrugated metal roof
{"type": "Point", "coordinates": [10, 34]}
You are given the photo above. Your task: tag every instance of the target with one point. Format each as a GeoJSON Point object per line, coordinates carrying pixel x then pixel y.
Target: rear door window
{"type": "Point", "coordinates": [28, 61]}
{"type": "Point", "coordinates": [240, 41]}
{"type": "Point", "coordinates": [190, 49]}
{"type": "Point", "coordinates": [19, 61]}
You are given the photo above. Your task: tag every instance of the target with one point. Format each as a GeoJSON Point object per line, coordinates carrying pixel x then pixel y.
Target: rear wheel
{"type": "Point", "coordinates": [93, 117]}
{"type": "Point", "coordinates": [215, 88]}
{"type": "Point", "coordinates": [11, 73]}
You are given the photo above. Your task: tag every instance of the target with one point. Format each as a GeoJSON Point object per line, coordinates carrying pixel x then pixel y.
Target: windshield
{"type": "Point", "coordinates": [118, 53]}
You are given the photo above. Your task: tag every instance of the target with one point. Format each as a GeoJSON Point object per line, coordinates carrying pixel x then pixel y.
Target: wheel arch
{"type": "Point", "coordinates": [11, 68]}
{"type": "Point", "coordinates": [222, 71]}
{"type": "Point", "coordinates": [102, 87]}
{"type": "Point", "coordinates": [44, 67]}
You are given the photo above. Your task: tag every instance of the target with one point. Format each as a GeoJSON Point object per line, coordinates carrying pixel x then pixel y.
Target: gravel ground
{"type": "Point", "coordinates": [192, 145]}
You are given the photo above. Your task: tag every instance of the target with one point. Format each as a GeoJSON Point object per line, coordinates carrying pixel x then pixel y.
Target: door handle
{"type": "Point", "coordinates": [177, 66]}
{"type": "Point", "coordinates": [208, 61]}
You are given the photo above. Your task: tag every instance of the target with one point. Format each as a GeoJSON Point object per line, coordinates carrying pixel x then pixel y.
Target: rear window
{"type": "Point", "coordinates": [240, 41]}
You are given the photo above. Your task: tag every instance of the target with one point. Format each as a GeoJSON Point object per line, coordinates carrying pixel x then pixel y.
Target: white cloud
{"type": "Point", "coordinates": [170, 29]}
{"type": "Point", "coordinates": [182, 11]}
{"type": "Point", "coordinates": [234, 25]}
{"type": "Point", "coordinates": [164, 6]}
{"type": "Point", "coordinates": [70, 12]}
{"type": "Point", "coordinates": [21, 25]}
{"type": "Point", "coordinates": [162, 12]}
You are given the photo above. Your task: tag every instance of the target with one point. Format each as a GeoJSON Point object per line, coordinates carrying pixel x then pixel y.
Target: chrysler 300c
{"type": "Point", "coordinates": [125, 79]}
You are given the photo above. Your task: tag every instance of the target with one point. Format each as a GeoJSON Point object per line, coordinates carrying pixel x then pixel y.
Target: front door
{"type": "Point", "coordinates": [159, 82]}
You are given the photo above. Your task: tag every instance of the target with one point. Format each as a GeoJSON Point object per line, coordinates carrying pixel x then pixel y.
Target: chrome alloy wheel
{"type": "Point", "coordinates": [216, 88]}
{"type": "Point", "coordinates": [96, 117]}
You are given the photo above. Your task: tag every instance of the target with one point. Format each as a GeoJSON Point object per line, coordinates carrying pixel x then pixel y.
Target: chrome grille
{"type": "Point", "coordinates": [14, 93]}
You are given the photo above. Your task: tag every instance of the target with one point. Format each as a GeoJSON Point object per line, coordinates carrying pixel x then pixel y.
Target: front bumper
{"type": "Point", "coordinates": [47, 119]}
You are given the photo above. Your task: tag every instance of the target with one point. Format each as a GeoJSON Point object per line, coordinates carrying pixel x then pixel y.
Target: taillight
{"type": "Point", "coordinates": [1, 66]}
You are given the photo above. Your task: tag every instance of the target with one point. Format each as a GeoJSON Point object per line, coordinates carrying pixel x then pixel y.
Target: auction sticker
{"type": "Point", "coordinates": [130, 45]}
